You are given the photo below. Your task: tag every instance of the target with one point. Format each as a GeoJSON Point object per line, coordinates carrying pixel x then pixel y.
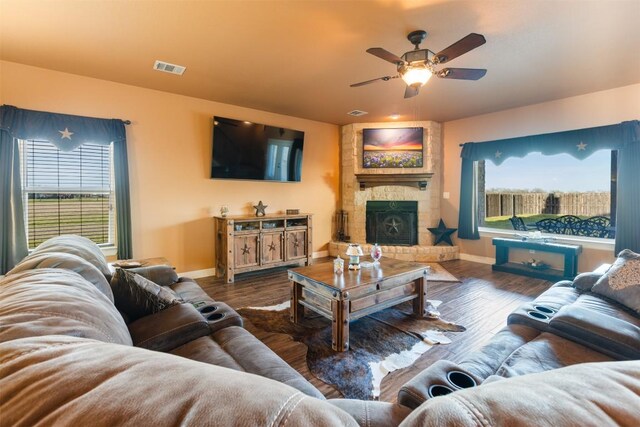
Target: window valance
{"type": "Point", "coordinates": [65, 131]}
{"type": "Point", "coordinates": [579, 143]}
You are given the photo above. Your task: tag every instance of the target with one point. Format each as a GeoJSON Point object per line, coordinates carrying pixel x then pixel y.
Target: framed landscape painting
{"type": "Point", "coordinates": [392, 148]}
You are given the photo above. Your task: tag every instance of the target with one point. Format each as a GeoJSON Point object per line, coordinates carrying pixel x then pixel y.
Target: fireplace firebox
{"type": "Point", "coordinates": [392, 222]}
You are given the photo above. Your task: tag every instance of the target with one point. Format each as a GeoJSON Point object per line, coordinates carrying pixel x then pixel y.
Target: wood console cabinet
{"type": "Point", "coordinates": [250, 243]}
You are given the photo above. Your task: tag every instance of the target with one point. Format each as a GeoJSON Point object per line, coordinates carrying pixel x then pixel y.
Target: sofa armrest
{"type": "Point", "coordinates": [169, 328]}
{"type": "Point", "coordinates": [162, 275]}
{"type": "Point", "coordinates": [585, 281]}
{"type": "Point", "coordinates": [373, 413]}
{"type": "Point", "coordinates": [441, 378]}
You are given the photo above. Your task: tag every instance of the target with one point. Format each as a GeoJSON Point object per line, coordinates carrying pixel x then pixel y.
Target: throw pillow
{"type": "Point", "coordinates": [622, 282]}
{"type": "Point", "coordinates": [137, 297]}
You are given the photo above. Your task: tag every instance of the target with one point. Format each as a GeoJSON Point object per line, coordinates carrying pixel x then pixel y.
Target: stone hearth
{"type": "Point", "coordinates": [354, 199]}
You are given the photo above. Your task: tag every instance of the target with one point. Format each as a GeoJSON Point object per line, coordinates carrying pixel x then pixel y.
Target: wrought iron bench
{"type": "Point", "coordinates": [552, 225]}
{"type": "Point", "coordinates": [597, 226]}
{"type": "Point", "coordinates": [519, 225]}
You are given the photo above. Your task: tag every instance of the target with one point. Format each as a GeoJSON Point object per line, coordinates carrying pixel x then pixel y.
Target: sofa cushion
{"type": "Point", "coordinates": [606, 306]}
{"type": "Point", "coordinates": [137, 297]}
{"type": "Point", "coordinates": [190, 291]}
{"type": "Point", "coordinates": [589, 394]}
{"type": "Point", "coordinates": [547, 352]}
{"type": "Point", "coordinates": [607, 334]}
{"type": "Point", "coordinates": [169, 328]}
{"type": "Point", "coordinates": [77, 245]}
{"type": "Point", "coordinates": [235, 348]}
{"type": "Point", "coordinates": [372, 413]}
{"type": "Point", "coordinates": [622, 281]}
{"type": "Point", "coordinates": [67, 261]}
{"type": "Point", "coordinates": [487, 360]}
{"type": "Point", "coordinates": [69, 381]}
{"type": "Point", "coordinates": [50, 301]}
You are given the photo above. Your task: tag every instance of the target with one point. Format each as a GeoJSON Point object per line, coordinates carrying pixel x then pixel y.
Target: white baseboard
{"type": "Point", "coordinates": [320, 254]}
{"type": "Point", "coordinates": [476, 258]}
{"type": "Point", "coordinates": [198, 274]}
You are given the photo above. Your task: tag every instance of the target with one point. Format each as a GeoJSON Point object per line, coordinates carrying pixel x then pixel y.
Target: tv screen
{"type": "Point", "coordinates": [246, 150]}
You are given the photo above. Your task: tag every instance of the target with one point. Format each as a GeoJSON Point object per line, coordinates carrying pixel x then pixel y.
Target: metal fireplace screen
{"type": "Point", "coordinates": [392, 223]}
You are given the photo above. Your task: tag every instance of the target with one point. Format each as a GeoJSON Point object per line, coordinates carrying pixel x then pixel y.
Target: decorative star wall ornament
{"type": "Point", "coordinates": [260, 209]}
{"type": "Point", "coordinates": [498, 154]}
{"type": "Point", "coordinates": [65, 134]}
{"type": "Point", "coordinates": [442, 233]}
{"type": "Point", "coordinates": [582, 146]}
{"type": "Point", "coordinates": [393, 226]}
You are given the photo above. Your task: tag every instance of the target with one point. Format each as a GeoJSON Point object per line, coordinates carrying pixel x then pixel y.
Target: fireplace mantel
{"type": "Point", "coordinates": [419, 180]}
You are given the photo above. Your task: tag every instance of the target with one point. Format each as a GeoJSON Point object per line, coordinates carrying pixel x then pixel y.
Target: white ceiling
{"type": "Point", "coordinates": [299, 57]}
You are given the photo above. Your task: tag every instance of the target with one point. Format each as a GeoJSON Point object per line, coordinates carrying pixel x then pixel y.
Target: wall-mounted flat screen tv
{"type": "Point", "coordinates": [246, 150]}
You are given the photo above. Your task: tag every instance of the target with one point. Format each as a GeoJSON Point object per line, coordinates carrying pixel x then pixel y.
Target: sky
{"type": "Point", "coordinates": [551, 173]}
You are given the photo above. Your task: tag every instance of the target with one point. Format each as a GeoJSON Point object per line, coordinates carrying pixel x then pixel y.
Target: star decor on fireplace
{"type": "Point", "coordinates": [442, 233]}
{"type": "Point", "coordinates": [393, 225]}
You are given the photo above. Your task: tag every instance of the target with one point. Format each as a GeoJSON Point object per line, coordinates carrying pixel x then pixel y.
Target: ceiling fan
{"type": "Point", "coordinates": [418, 65]}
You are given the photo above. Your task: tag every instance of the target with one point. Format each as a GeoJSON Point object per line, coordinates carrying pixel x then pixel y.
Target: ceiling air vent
{"type": "Point", "coordinates": [357, 113]}
{"type": "Point", "coordinates": [169, 68]}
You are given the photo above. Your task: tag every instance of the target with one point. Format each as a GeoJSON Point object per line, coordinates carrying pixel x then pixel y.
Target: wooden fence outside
{"type": "Point", "coordinates": [587, 204]}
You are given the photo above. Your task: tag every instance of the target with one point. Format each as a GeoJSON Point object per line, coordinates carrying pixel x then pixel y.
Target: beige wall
{"type": "Point", "coordinates": [169, 144]}
{"type": "Point", "coordinates": [594, 109]}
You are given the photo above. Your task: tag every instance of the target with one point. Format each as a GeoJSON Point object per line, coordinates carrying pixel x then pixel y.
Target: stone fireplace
{"type": "Point", "coordinates": [420, 186]}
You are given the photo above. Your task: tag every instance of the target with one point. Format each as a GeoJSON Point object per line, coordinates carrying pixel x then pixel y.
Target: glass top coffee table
{"type": "Point", "coordinates": [356, 293]}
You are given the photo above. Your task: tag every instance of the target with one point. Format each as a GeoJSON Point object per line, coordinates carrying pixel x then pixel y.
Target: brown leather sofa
{"type": "Point", "coordinates": [566, 325]}
{"type": "Point", "coordinates": [67, 357]}
{"type": "Point", "coordinates": [62, 288]}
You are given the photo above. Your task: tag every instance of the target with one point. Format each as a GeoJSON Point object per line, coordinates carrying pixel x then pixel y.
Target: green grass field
{"type": "Point", "coordinates": [87, 216]}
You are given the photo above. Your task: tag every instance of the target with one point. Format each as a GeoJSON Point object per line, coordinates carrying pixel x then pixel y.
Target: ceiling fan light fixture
{"type": "Point", "coordinates": [416, 75]}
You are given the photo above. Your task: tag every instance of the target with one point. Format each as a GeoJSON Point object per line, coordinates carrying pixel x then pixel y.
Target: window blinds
{"type": "Point", "coordinates": [67, 192]}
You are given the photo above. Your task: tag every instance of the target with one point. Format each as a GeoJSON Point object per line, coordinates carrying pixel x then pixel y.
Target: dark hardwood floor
{"type": "Point", "coordinates": [481, 303]}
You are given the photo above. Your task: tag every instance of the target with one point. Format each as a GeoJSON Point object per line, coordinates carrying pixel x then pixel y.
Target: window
{"type": "Point", "coordinates": [68, 192]}
{"type": "Point", "coordinates": [538, 187]}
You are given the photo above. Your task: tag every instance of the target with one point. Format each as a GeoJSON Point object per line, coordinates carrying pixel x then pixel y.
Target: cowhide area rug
{"type": "Point", "coordinates": [379, 343]}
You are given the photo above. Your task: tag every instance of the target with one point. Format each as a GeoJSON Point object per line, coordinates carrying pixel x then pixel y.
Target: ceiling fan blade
{"type": "Point", "coordinates": [460, 47]}
{"type": "Point", "coordinates": [385, 78]}
{"type": "Point", "coordinates": [384, 54]}
{"type": "Point", "coordinates": [462, 73]}
{"type": "Point", "coordinates": [411, 91]}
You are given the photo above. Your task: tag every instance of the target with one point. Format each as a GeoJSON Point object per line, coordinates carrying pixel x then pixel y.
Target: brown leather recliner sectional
{"type": "Point", "coordinates": [566, 325]}
{"type": "Point", "coordinates": [67, 357]}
